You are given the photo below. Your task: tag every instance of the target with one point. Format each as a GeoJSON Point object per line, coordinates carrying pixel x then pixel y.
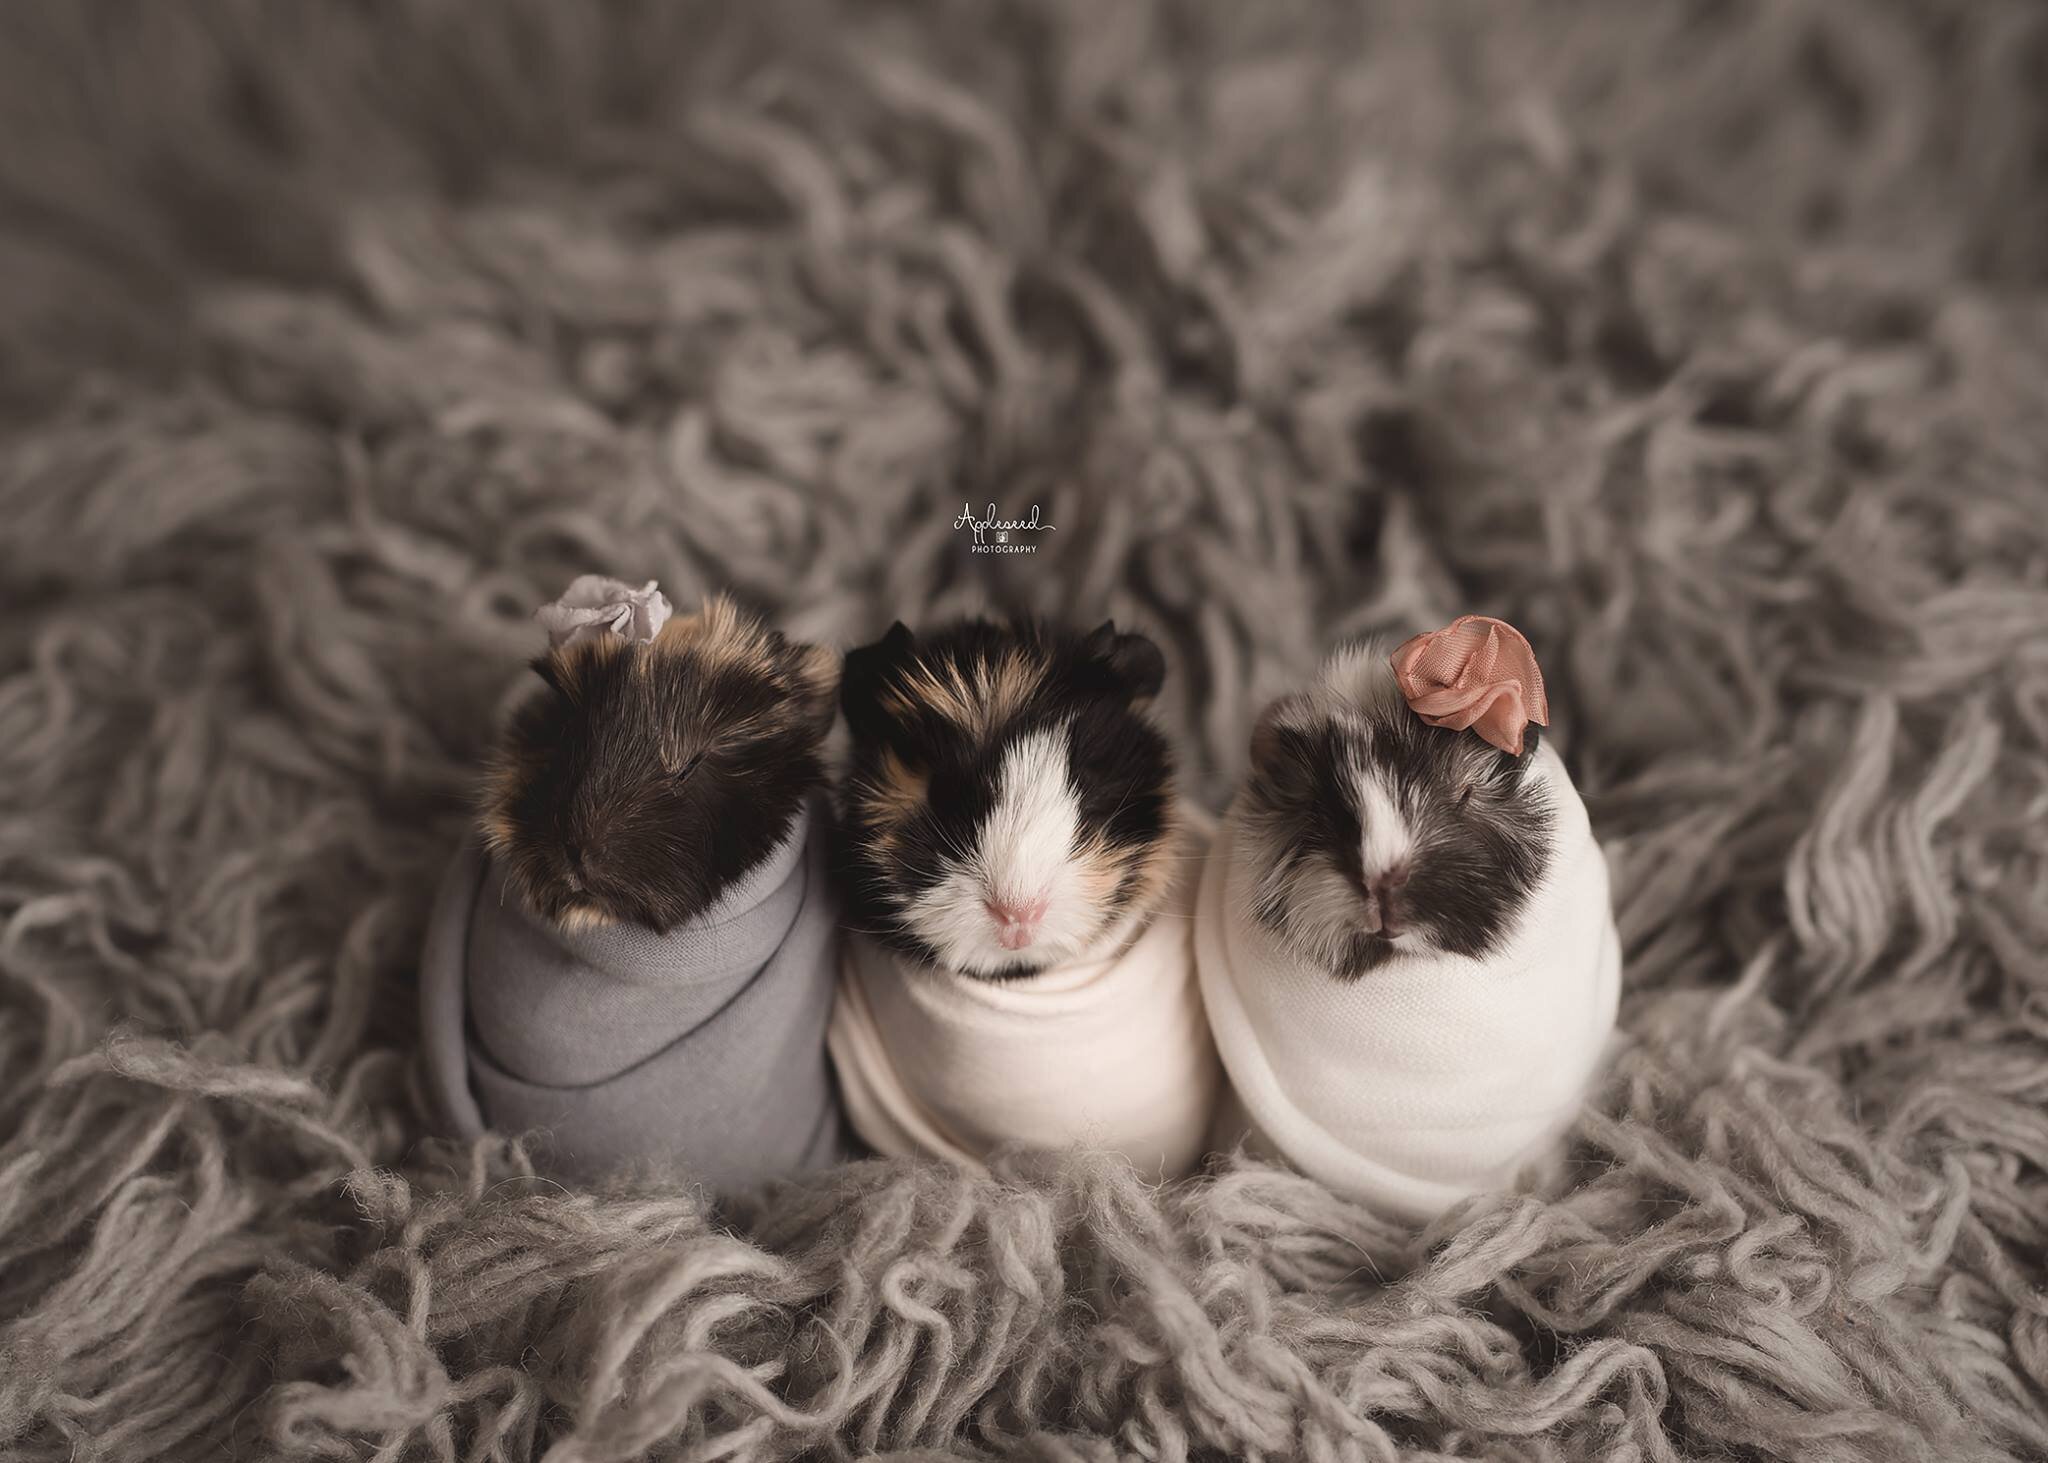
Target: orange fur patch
{"type": "Point", "coordinates": [1104, 867]}
{"type": "Point", "coordinates": [581, 917]}
{"type": "Point", "coordinates": [978, 701]}
{"type": "Point", "coordinates": [897, 790]}
{"type": "Point", "coordinates": [722, 634]}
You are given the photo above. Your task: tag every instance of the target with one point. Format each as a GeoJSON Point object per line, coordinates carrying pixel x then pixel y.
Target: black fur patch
{"type": "Point", "coordinates": [996, 682]}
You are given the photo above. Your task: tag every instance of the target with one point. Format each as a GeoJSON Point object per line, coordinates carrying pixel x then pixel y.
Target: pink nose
{"type": "Point", "coordinates": [1385, 889]}
{"type": "Point", "coordinates": [1017, 920]}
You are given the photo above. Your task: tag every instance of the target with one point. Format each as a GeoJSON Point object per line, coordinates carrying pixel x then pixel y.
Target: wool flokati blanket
{"type": "Point", "coordinates": [701, 1050]}
{"type": "Point", "coordinates": [1702, 343]}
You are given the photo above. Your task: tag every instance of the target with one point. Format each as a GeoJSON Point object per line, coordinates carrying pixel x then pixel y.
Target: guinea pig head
{"type": "Point", "coordinates": [1371, 830]}
{"type": "Point", "coordinates": [643, 778]}
{"type": "Point", "coordinates": [1008, 805]}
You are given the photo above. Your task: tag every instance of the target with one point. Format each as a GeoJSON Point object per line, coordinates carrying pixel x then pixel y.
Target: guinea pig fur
{"type": "Point", "coordinates": [1009, 805]}
{"type": "Point", "coordinates": [641, 779]}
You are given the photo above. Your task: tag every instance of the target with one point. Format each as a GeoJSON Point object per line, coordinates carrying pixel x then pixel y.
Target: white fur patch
{"type": "Point", "coordinates": [1385, 840]}
{"type": "Point", "coordinates": [1024, 852]}
{"type": "Point", "coordinates": [1028, 839]}
{"type": "Point", "coordinates": [1358, 679]}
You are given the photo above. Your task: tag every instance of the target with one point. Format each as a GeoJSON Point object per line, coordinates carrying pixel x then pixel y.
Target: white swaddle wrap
{"type": "Point", "coordinates": [1110, 1054]}
{"type": "Point", "coordinates": [1434, 1076]}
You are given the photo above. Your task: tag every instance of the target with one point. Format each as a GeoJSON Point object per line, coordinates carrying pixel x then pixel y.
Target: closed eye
{"type": "Point", "coordinates": [1465, 794]}
{"type": "Point", "coordinates": [683, 772]}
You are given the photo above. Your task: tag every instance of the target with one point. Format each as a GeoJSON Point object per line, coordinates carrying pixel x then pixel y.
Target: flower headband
{"type": "Point", "coordinates": [595, 605]}
{"type": "Point", "coordinates": [1476, 672]}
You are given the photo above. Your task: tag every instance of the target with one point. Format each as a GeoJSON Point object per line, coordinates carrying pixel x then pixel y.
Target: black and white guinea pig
{"type": "Point", "coordinates": [642, 779]}
{"type": "Point", "coordinates": [1371, 829]}
{"type": "Point", "coordinates": [1008, 804]}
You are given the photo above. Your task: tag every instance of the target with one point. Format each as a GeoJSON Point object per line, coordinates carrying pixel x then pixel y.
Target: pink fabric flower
{"type": "Point", "coordinates": [1476, 672]}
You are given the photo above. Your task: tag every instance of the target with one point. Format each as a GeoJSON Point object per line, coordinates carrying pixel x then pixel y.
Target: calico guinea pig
{"type": "Point", "coordinates": [1009, 804]}
{"type": "Point", "coordinates": [641, 779]}
{"type": "Point", "coordinates": [1021, 882]}
{"type": "Point", "coordinates": [634, 958]}
{"type": "Point", "coordinates": [1404, 935]}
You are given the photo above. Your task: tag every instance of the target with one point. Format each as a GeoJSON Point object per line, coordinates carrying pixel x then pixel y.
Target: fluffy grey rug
{"type": "Point", "coordinates": [1700, 340]}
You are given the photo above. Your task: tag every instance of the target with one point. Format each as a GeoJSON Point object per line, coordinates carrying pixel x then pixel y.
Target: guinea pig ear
{"type": "Point", "coordinates": [1283, 771]}
{"type": "Point", "coordinates": [1133, 659]}
{"type": "Point", "coordinates": [549, 669]}
{"type": "Point", "coordinates": [866, 674]}
{"type": "Point", "coordinates": [814, 670]}
{"type": "Point", "coordinates": [1267, 741]}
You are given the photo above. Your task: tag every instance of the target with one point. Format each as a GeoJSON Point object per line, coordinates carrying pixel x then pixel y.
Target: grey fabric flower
{"type": "Point", "coordinates": [595, 605]}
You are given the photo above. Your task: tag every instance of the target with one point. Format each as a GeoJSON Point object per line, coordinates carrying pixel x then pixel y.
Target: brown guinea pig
{"type": "Point", "coordinates": [645, 777]}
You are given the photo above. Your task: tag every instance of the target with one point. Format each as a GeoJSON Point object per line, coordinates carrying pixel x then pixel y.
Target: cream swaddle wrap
{"type": "Point", "coordinates": [1434, 1076]}
{"type": "Point", "coordinates": [1111, 1053]}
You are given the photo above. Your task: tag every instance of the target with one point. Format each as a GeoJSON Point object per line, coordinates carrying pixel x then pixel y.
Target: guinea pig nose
{"type": "Point", "coordinates": [1016, 911]}
{"type": "Point", "coordinates": [1392, 878]}
{"type": "Point", "coordinates": [1384, 889]}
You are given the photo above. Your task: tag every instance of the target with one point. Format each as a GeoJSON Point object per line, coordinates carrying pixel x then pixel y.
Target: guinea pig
{"type": "Point", "coordinates": [634, 959]}
{"type": "Point", "coordinates": [1404, 934]}
{"type": "Point", "coordinates": [1009, 805]}
{"type": "Point", "coordinates": [642, 778]}
{"type": "Point", "coordinates": [1021, 890]}
{"type": "Point", "coordinates": [1372, 831]}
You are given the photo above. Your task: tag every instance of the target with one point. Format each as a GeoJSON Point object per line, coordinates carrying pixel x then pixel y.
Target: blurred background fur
{"type": "Point", "coordinates": [1703, 341]}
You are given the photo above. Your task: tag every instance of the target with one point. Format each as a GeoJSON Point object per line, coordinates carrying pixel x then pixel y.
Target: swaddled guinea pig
{"type": "Point", "coordinates": [1009, 805]}
{"type": "Point", "coordinates": [1020, 881]}
{"type": "Point", "coordinates": [1404, 935]}
{"type": "Point", "coordinates": [634, 958]}
{"type": "Point", "coordinates": [642, 779]}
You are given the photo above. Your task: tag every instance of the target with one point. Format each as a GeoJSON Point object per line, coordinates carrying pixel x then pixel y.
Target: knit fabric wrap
{"type": "Point", "coordinates": [1110, 1054]}
{"type": "Point", "coordinates": [703, 1047]}
{"type": "Point", "coordinates": [1434, 1076]}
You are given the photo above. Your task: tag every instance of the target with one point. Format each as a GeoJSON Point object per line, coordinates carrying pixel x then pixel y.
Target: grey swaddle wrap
{"type": "Point", "coordinates": [704, 1047]}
